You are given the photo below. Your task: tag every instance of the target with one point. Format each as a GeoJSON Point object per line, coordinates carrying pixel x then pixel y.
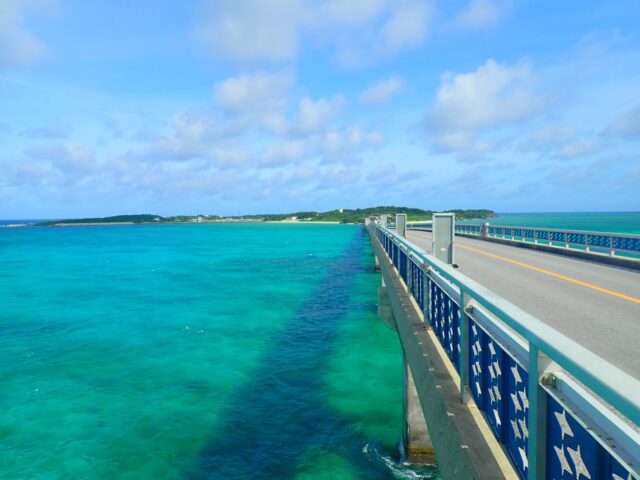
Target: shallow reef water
{"type": "Point", "coordinates": [196, 352]}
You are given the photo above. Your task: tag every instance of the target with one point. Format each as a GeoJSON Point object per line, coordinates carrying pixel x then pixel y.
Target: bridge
{"type": "Point", "coordinates": [518, 363]}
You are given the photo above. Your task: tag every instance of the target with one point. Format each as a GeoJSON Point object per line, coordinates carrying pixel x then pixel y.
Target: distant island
{"type": "Point", "coordinates": [334, 216]}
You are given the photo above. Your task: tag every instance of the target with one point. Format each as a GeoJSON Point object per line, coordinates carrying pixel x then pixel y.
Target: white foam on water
{"type": "Point", "coordinates": [402, 471]}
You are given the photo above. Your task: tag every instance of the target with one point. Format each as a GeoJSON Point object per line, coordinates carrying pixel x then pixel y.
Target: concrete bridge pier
{"type": "Point", "coordinates": [416, 441]}
{"type": "Point", "coordinates": [385, 311]}
{"type": "Point", "coordinates": [418, 447]}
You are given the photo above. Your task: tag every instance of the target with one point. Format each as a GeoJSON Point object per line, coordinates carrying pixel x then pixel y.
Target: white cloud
{"type": "Point", "coordinates": [113, 128]}
{"type": "Point", "coordinates": [221, 147]}
{"type": "Point", "coordinates": [547, 137]}
{"type": "Point", "coordinates": [273, 30]}
{"type": "Point", "coordinates": [255, 100]}
{"type": "Point", "coordinates": [561, 141]}
{"type": "Point", "coordinates": [337, 144]}
{"type": "Point", "coordinates": [352, 14]}
{"type": "Point", "coordinates": [285, 152]}
{"type": "Point", "coordinates": [251, 92]}
{"type": "Point", "coordinates": [407, 24]}
{"type": "Point", "coordinates": [54, 129]}
{"type": "Point", "coordinates": [237, 135]}
{"type": "Point", "coordinates": [381, 173]}
{"type": "Point", "coordinates": [481, 14]}
{"type": "Point", "coordinates": [469, 104]}
{"type": "Point", "coordinates": [67, 158]}
{"type": "Point", "coordinates": [18, 43]}
{"type": "Point", "coordinates": [581, 148]}
{"type": "Point", "coordinates": [494, 94]}
{"type": "Point", "coordinates": [627, 125]}
{"type": "Point", "coordinates": [252, 30]}
{"type": "Point", "coordinates": [331, 146]}
{"type": "Point", "coordinates": [338, 175]}
{"type": "Point", "coordinates": [314, 114]}
{"type": "Point", "coordinates": [380, 91]}
{"type": "Point", "coordinates": [192, 136]}
{"type": "Point", "coordinates": [391, 26]}
{"type": "Point", "coordinates": [195, 137]}
{"type": "Point", "coordinates": [196, 126]}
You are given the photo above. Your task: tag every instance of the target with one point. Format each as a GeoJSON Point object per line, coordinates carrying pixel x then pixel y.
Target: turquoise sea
{"type": "Point", "coordinates": [616, 222]}
{"type": "Point", "coordinates": [196, 352]}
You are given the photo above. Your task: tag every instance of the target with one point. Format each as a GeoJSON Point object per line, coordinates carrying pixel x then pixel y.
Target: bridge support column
{"type": "Point", "coordinates": [416, 439]}
{"type": "Point", "coordinates": [385, 311]}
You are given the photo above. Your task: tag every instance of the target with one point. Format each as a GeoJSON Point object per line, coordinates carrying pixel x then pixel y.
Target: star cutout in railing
{"type": "Point", "coordinates": [516, 430]}
{"type": "Point", "coordinates": [564, 425]}
{"type": "Point", "coordinates": [516, 374]}
{"type": "Point", "coordinates": [564, 464]}
{"type": "Point", "coordinates": [524, 399]}
{"type": "Point", "coordinates": [516, 403]}
{"type": "Point", "coordinates": [581, 468]}
{"type": "Point", "coordinates": [523, 456]}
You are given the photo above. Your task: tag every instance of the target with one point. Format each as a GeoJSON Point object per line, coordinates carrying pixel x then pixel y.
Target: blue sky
{"type": "Point", "coordinates": [231, 107]}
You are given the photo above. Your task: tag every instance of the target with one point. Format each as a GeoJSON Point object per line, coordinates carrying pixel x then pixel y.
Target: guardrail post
{"type": "Point", "coordinates": [566, 240]}
{"type": "Point", "coordinates": [463, 302]}
{"type": "Point", "coordinates": [537, 418]}
{"type": "Point", "coordinates": [612, 251]}
{"type": "Point", "coordinates": [586, 242]}
{"type": "Point", "coordinates": [392, 246]}
{"type": "Point", "coordinates": [535, 235]}
{"type": "Point", "coordinates": [427, 293]}
{"type": "Point", "coordinates": [408, 270]}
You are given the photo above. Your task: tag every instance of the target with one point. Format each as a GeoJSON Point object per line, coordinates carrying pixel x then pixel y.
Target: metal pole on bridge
{"type": "Point", "coordinates": [484, 230]}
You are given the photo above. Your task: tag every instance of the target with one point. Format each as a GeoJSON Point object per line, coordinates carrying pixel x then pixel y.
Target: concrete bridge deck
{"type": "Point", "coordinates": [596, 305]}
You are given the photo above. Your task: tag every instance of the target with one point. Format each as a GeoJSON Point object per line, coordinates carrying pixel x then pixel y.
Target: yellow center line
{"type": "Point", "coordinates": [553, 274]}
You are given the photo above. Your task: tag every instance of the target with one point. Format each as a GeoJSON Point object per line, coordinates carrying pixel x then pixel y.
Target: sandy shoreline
{"type": "Point", "coordinates": [116, 224]}
{"type": "Point", "coordinates": [299, 222]}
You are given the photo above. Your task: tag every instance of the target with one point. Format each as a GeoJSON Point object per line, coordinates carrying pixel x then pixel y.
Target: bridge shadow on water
{"type": "Point", "coordinates": [280, 415]}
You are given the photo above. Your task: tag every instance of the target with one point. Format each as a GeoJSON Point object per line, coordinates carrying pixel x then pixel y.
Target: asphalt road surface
{"type": "Point", "coordinates": [596, 305]}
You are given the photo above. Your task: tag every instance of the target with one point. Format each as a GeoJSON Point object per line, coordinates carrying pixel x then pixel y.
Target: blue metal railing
{"type": "Point", "coordinates": [468, 229]}
{"type": "Point", "coordinates": [527, 378]}
{"type": "Point", "coordinates": [424, 226]}
{"type": "Point", "coordinates": [591, 242]}
{"type": "Point", "coordinates": [611, 243]}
